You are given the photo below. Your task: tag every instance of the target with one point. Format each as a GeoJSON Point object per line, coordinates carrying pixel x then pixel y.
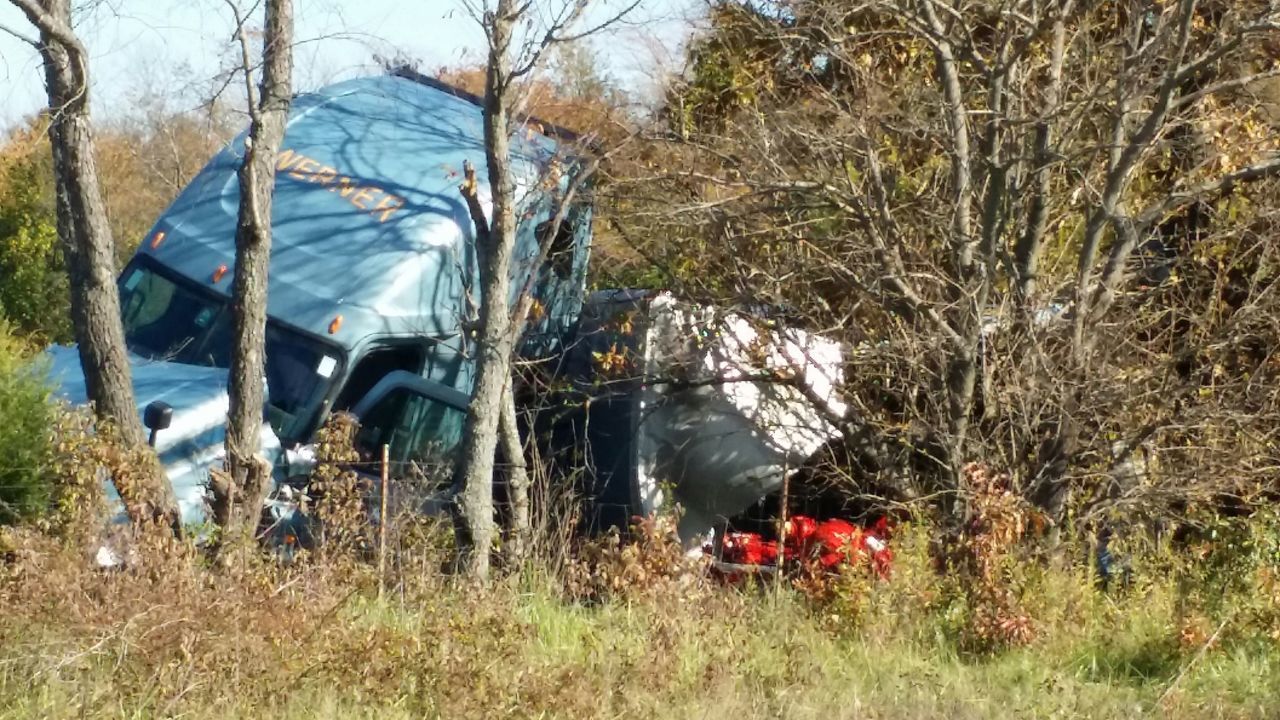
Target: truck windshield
{"type": "Point", "coordinates": [170, 320]}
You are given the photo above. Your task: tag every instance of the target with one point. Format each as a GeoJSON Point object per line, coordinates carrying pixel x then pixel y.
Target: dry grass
{"type": "Point", "coordinates": [171, 637]}
{"type": "Point", "coordinates": [626, 629]}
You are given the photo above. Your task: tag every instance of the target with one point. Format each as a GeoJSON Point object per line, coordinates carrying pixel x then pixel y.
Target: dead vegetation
{"type": "Point", "coordinates": [631, 627]}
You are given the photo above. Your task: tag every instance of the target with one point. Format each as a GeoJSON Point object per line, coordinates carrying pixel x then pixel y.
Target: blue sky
{"type": "Point", "coordinates": [181, 45]}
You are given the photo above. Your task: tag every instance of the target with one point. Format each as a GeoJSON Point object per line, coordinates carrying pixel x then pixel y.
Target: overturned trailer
{"type": "Point", "coordinates": [678, 403]}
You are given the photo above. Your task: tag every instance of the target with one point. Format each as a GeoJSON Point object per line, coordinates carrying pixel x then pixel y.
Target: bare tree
{"type": "Point", "coordinates": [512, 57]}
{"type": "Point", "coordinates": [474, 483]}
{"type": "Point", "coordinates": [88, 246]}
{"type": "Point", "coordinates": [239, 494]}
{"type": "Point", "coordinates": [916, 177]}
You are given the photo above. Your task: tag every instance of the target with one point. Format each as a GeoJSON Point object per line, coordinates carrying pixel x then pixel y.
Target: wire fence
{"type": "Point", "coordinates": [406, 504]}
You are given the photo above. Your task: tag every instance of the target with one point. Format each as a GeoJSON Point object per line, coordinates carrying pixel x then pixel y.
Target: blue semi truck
{"type": "Point", "coordinates": [373, 278]}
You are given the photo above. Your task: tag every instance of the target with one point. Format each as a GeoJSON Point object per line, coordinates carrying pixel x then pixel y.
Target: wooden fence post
{"type": "Point", "coordinates": [382, 527]}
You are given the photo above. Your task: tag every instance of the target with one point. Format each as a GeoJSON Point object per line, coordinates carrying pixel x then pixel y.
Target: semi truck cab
{"type": "Point", "coordinates": [373, 277]}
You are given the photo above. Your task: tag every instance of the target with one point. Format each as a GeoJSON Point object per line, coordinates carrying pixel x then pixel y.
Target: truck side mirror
{"type": "Point", "coordinates": [158, 416]}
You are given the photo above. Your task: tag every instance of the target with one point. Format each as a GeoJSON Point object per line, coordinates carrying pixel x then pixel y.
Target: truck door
{"type": "Point", "coordinates": [422, 423]}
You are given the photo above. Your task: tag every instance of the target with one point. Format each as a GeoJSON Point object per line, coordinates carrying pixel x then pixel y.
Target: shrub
{"type": "Point", "coordinates": [648, 564]}
{"type": "Point", "coordinates": [33, 283]}
{"type": "Point", "coordinates": [1227, 571]}
{"type": "Point", "coordinates": [986, 576]}
{"type": "Point", "coordinates": [338, 494]}
{"type": "Point", "coordinates": [26, 417]}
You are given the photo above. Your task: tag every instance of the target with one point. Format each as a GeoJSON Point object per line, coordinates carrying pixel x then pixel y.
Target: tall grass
{"type": "Point", "coordinates": [170, 636]}
{"type": "Point", "coordinates": [995, 627]}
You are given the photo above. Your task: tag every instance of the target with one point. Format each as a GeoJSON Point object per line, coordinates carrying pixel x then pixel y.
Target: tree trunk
{"type": "Point", "coordinates": [1029, 245]}
{"type": "Point", "coordinates": [475, 499]}
{"type": "Point", "coordinates": [89, 250]}
{"type": "Point", "coordinates": [238, 503]}
{"type": "Point", "coordinates": [1048, 488]}
{"type": "Point", "coordinates": [962, 378]}
{"type": "Point", "coordinates": [517, 545]}
{"type": "Point", "coordinates": [474, 484]}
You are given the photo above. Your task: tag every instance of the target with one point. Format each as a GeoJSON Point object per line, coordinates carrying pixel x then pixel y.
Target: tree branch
{"type": "Point", "coordinates": [559, 25]}
{"type": "Point", "coordinates": [1225, 184]}
{"type": "Point", "coordinates": [469, 191]}
{"type": "Point", "coordinates": [1027, 250]}
{"type": "Point", "coordinates": [525, 303]}
{"type": "Point", "coordinates": [890, 258]}
{"type": "Point", "coordinates": [949, 78]}
{"type": "Point", "coordinates": [1213, 55]}
{"type": "Point", "coordinates": [1118, 175]}
{"type": "Point", "coordinates": [1131, 231]}
{"type": "Point", "coordinates": [19, 36]}
{"type": "Point", "coordinates": [49, 25]}
{"type": "Point", "coordinates": [246, 64]}
{"type": "Point", "coordinates": [1224, 86]}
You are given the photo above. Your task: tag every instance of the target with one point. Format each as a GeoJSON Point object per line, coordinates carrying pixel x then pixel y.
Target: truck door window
{"type": "Point", "coordinates": [375, 365]}
{"type": "Point", "coordinates": [417, 430]}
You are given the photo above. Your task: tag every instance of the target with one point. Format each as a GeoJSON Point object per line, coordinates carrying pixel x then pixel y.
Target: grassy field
{"type": "Point", "coordinates": [173, 638]}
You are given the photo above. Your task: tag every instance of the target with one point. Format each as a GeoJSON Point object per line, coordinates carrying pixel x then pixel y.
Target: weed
{"type": "Point", "coordinates": [169, 635]}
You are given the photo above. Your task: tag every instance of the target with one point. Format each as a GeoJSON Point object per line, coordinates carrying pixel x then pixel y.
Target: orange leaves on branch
{"type": "Point", "coordinates": [998, 520]}
{"type": "Point", "coordinates": [613, 361]}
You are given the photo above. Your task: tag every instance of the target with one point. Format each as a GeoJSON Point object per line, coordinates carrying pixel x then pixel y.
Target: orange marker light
{"type": "Point", "coordinates": [220, 273]}
{"type": "Point", "coordinates": [335, 324]}
{"type": "Point", "coordinates": [155, 241]}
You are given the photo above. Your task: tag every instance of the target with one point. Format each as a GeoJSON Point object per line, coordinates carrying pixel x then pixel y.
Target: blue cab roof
{"type": "Point", "coordinates": [368, 222]}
